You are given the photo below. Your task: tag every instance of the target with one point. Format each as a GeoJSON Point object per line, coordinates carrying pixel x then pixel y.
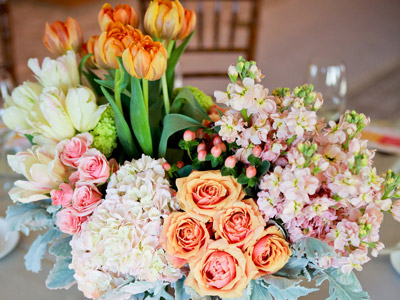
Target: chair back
{"type": "Point", "coordinates": [7, 57]}
{"type": "Point", "coordinates": [221, 25]}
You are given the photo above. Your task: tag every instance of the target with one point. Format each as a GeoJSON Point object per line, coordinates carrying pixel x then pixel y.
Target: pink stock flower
{"type": "Point", "coordinates": [68, 222]}
{"type": "Point", "coordinates": [94, 167]}
{"type": "Point", "coordinates": [85, 199]}
{"type": "Point", "coordinates": [396, 210]}
{"type": "Point", "coordinates": [71, 151]}
{"type": "Point", "coordinates": [63, 196]}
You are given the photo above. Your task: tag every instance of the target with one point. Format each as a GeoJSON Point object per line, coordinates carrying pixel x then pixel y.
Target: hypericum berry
{"type": "Point", "coordinates": [216, 151]}
{"type": "Point", "coordinates": [217, 140]}
{"type": "Point", "coordinates": [166, 166]}
{"type": "Point", "coordinates": [257, 151]}
{"type": "Point", "coordinates": [222, 146]}
{"type": "Point", "coordinates": [180, 164]}
{"type": "Point", "coordinates": [189, 135]}
{"type": "Point", "coordinates": [202, 155]}
{"type": "Point", "coordinates": [251, 172]}
{"type": "Point", "coordinates": [230, 162]}
{"type": "Point", "coordinates": [200, 133]}
{"type": "Point", "coordinates": [201, 147]}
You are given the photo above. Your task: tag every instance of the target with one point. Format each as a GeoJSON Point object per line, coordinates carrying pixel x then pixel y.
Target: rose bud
{"type": "Point", "coordinates": [251, 172]}
{"type": "Point", "coordinates": [124, 14]}
{"type": "Point", "coordinates": [201, 146]}
{"type": "Point", "coordinates": [113, 42]}
{"type": "Point", "coordinates": [230, 162]}
{"type": "Point", "coordinates": [180, 164]}
{"type": "Point", "coordinates": [164, 19]}
{"type": "Point", "coordinates": [145, 59]}
{"type": "Point", "coordinates": [189, 23]}
{"type": "Point", "coordinates": [202, 155]}
{"type": "Point", "coordinates": [257, 151]}
{"type": "Point", "coordinates": [61, 37]}
{"type": "Point", "coordinates": [166, 166]}
{"type": "Point", "coordinates": [216, 151]}
{"type": "Point", "coordinates": [189, 135]}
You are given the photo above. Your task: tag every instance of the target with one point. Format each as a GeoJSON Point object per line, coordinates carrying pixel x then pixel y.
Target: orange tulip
{"type": "Point", "coordinates": [113, 42]}
{"type": "Point", "coordinates": [61, 37]}
{"type": "Point", "coordinates": [91, 46]}
{"type": "Point", "coordinates": [188, 25]}
{"type": "Point", "coordinates": [145, 59]}
{"type": "Point", "coordinates": [124, 14]}
{"type": "Point", "coordinates": [164, 19]}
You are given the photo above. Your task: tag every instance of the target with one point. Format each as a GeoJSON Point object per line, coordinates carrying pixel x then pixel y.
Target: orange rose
{"type": "Point", "coordinates": [124, 14]}
{"type": "Point", "coordinates": [145, 59]}
{"type": "Point", "coordinates": [183, 237]}
{"type": "Point", "coordinates": [188, 25]}
{"type": "Point", "coordinates": [240, 223]}
{"type": "Point", "coordinates": [222, 271]}
{"type": "Point", "coordinates": [164, 19]}
{"type": "Point", "coordinates": [270, 252]}
{"type": "Point", "coordinates": [61, 37]}
{"type": "Point", "coordinates": [113, 42]}
{"type": "Point", "coordinates": [206, 193]}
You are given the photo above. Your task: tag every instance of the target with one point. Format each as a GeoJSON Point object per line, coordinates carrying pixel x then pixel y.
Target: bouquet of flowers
{"type": "Point", "coordinates": [151, 192]}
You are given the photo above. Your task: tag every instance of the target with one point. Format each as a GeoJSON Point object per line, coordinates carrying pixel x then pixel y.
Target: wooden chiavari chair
{"type": "Point", "coordinates": [7, 57]}
{"type": "Point", "coordinates": [220, 7]}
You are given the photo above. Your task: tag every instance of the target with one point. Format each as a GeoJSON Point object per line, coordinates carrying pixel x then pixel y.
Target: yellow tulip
{"type": "Point", "coordinates": [113, 42]}
{"type": "Point", "coordinates": [124, 14]}
{"type": "Point", "coordinates": [164, 19]}
{"type": "Point", "coordinates": [189, 24]}
{"type": "Point", "coordinates": [61, 37]}
{"type": "Point", "coordinates": [145, 59]}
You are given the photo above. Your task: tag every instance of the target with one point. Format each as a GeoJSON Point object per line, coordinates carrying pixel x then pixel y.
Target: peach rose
{"type": "Point", "coordinates": [206, 193]}
{"type": "Point", "coordinates": [239, 224]}
{"type": "Point", "coordinates": [270, 252]}
{"type": "Point", "coordinates": [93, 167]}
{"type": "Point", "coordinates": [183, 237]}
{"type": "Point", "coordinates": [63, 196]}
{"type": "Point", "coordinates": [71, 151]}
{"type": "Point", "coordinates": [68, 222]}
{"type": "Point", "coordinates": [85, 199]}
{"type": "Point", "coordinates": [222, 271]}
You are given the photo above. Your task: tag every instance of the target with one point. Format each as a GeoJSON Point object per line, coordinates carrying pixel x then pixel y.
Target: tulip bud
{"type": "Point", "coordinates": [251, 172]}
{"type": "Point", "coordinates": [257, 151]}
{"type": "Point", "coordinates": [202, 155]}
{"type": "Point", "coordinates": [189, 23]}
{"type": "Point", "coordinates": [124, 14]}
{"type": "Point", "coordinates": [216, 151]}
{"type": "Point", "coordinates": [180, 164]}
{"type": "Point", "coordinates": [61, 37]}
{"type": "Point", "coordinates": [164, 19]}
{"type": "Point", "coordinates": [113, 42]}
{"type": "Point", "coordinates": [230, 162]}
{"type": "Point", "coordinates": [166, 166]}
{"type": "Point", "coordinates": [189, 136]}
{"type": "Point", "coordinates": [201, 146]}
{"type": "Point", "coordinates": [145, 59]}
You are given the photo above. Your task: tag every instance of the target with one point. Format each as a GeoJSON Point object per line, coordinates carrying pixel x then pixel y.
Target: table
{"type": "Point", "coordinates": [378, 277]}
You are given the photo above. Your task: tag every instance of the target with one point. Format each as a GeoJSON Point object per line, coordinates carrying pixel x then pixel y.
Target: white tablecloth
{"type": "Point", "coordinates": [378, 277]}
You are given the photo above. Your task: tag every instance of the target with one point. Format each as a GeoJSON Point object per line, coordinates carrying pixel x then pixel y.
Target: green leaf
{"type": "Point", "coordinates": [105, 83]}
{"type": "Point", "coordinates": [123, 81]}
{"type": "Point", "coordinates": [91, 79]}
{"type": "Point", "coordinates": [243, 179]}
{"type": "Point", "coordinates": [172, 124]}
{"type": "Point", "coordinates": [139, 118]}
{"type": "Point", "coordinates": [174, 58]}
{"type": "Point", "coordinates": [82, 64]}
{"type": "Point", "coordinates": [123, 131]}
{"type": "Point", "coordinates": [185, 171]}
{"type": "Point", "coordinates": [33, 258]}
{"type": "Point", "coordinates": [255, 161]}
{"type": "Point", "coordinates": [342, 286]}
{"type": "Point", "coordinates": [193, 108]}
{"type": "Point", "coordinates": [293, 267]}
{"type": "Point", "coordinates": [313, 248]}
{"type": "Point", "coordinates": [61, 276]}
{"type": "Point", "coordinates": [263, 168]}
{"type": "Point", "coordinates": [61, 248]}
{"type": "Point", "coordinates": [180, 293]}
{"type": "Point", "coordinates": [259, 291]}
{"type": "Point", "coordinates": [285, 289]}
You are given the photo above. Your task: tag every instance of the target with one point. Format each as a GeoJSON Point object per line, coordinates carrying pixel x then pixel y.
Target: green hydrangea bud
{"type": "Point", "coordinates": [105, 133]}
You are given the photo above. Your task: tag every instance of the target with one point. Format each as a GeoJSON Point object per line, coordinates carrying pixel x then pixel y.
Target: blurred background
{"type": "Point", "coordinates": [350, 50]}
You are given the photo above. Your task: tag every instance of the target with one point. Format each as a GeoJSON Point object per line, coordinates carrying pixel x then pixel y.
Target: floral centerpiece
{"type": "Point", "coordinates": [151, 192]}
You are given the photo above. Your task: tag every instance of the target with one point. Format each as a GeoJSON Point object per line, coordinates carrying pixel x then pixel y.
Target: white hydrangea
{"type": "Point", "coordinates": [121, 238]}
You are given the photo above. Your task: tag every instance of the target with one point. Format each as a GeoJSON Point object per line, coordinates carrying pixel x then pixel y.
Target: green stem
{"type": "Point", "coordinates": [146, 94]}
{"type": "Point", "coordinates": [171, 44]}
{"type": "Point", "coordinates": [165, 93]}
{"type": "Point", "coordinates": [117, 92]}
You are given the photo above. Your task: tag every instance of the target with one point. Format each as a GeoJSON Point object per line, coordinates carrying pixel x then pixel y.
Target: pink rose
{"type": "Point", "coordinates": [85, 199]}
{"type": "Point", "coordinates": [94, 167]}
{"type": "Point", "coordinates": [74, 178]}
{"type": "Point", "coordinates": [71, 151]}
{"type": "Point", "coordinates": [63, 196]}
{"type": "Point", "coordinates": [68, 222]}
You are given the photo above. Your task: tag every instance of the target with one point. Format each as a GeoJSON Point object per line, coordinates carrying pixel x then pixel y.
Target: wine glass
{"type": "Point", "coordinates": [328, 75]}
